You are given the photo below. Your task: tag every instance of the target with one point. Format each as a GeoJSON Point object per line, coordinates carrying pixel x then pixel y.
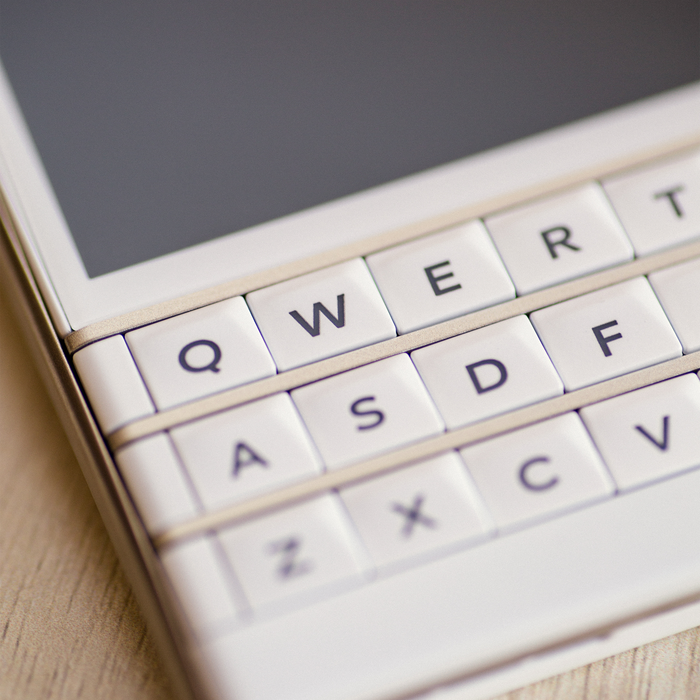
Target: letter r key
{"type": "Point", "coordinates": [559, 238]}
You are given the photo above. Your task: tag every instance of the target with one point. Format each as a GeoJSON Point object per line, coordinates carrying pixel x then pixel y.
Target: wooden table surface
{"type": "Point", "coordinates": [70, 625]}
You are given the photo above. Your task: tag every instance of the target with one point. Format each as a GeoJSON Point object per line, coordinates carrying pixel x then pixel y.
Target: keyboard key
{"type": "Point", "coordinates": [659, 206]}
{"type": "Point", "coordinates": [200, 353]}
{"type": "Point", "coordinates": [321, 314]}
{"type": "Point", "coordinates": [648, 434]}
{"type": "Point", "coordinates": [250, 449]}
{"type": "Point", "coordinates": [559, 238]}
{"type": "Point", "coordinates": [677, 289]}
{"type": "Point", "coordinates": [367, 411]}
{"type": "Point", "coordinates": [538, 471]}
{"type": "Point", "coordinates": [606, 333]}
{"type": "Point", "coordinates": [157, 483]}
{"type": "Point", "coordinates": [294, 552]}
{"type": "Point", "coordinates": [420, 509]}
{"type": "Point", "coordinates": [488, 371]}
{"type": "Point", "coordinates": [197, 574]}
{"type": "Point", "coordinates": [113, 384]}
{"type": "Point", "coordinates": [441, 276]}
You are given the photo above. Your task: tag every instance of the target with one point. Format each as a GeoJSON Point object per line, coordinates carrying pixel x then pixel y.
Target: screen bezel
{"type": "Point", "coordinates": [442, 193]}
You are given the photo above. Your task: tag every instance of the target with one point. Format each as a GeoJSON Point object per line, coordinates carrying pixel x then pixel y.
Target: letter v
{"type": "Point", "coordinates": [661, 444]}
{"type": "Point", "coordinates": [338, 321]}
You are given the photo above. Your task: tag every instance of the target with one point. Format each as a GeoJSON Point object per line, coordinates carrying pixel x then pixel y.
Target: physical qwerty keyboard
{"type": "Point", "coordinates": [338, 428]}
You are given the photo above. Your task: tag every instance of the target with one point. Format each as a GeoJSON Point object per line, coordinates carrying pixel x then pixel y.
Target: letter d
{"type": "Point", "coordinates": [478, 385]}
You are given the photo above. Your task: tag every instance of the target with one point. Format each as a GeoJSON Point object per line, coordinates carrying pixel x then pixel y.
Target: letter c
{"type": "Point", "coordinates": [533, 485]}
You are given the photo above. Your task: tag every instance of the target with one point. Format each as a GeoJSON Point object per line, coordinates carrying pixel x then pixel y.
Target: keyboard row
{"type": "Point", "coordinates": [404, 399]}
{"type": "Point", "coordinates": [456, 500]}
{"type": "Point", "coordinates": [405, 288]}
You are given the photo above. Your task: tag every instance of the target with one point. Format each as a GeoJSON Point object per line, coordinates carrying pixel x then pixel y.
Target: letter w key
{"type": "Point", "coordinates": [314, 330]}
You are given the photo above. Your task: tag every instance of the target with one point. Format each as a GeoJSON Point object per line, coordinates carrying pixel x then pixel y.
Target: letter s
{"type": "Point", "coordinates": [356, 410]}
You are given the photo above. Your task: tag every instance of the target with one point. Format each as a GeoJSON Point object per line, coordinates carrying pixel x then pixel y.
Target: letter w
{"type": "Point", "coordinates": [338, 321]}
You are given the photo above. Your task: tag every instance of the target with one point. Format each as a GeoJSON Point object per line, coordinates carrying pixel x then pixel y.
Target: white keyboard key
{"type": "Point", "coordinates": [538, 471]}
{"type": "Point", "coordinates": [294, 552]}
{"type": "Point", "coordinates": [201, 352]}
{"type": "Point", "coordinates": [488, 371]}
{"type": "Point", "coordinates": [250, 449]}
{"type": "Point", "coordinates": [113, 384]}
{"type": "Point", "coordinates": [659, 206]}
{"type": "Point", "coordinates": [198, 575]}
{"type": "Point", "coordinates": [648, 434]}
{"type": "Point", "coordinates": [678, 288]}
{"type": "Point", "coordinates": [157, 483]}
{"type": "Point", "coordinates": [322, 314]}
{"type": "Point", "coordinates": [441, 276]}
{"type": "Point", "coordinates": [559, 238]}
{"type": "Point", "coordinates": [606, 333]}
{"type": "Point", "coordinates": [367, 411]}
{"type": "Point", "coordinates": [420, 509]}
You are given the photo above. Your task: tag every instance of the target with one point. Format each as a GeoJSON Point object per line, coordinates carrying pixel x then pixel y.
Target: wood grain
{"type": "Point", "coordinates": [70, 625]}
{"type": "Point", "coordinates": [664, 670]}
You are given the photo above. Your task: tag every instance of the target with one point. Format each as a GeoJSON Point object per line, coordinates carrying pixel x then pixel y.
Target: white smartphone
{"type": "Point", "coordinates": [372, 324]}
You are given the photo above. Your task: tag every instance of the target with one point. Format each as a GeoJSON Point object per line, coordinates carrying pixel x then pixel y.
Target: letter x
{"type": "Point", "coordinates": [413, 516]}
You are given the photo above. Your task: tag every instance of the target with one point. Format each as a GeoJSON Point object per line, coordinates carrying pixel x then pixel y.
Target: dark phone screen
{"type": "Point", "coordinates": [166, 124]}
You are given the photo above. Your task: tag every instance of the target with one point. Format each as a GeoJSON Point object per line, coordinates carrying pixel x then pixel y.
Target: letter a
{"type": "Point", "coordinates": [244, 456]}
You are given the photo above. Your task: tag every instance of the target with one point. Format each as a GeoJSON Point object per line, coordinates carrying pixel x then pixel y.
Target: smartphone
{"type": "Point", "coordinates": [372, 325]}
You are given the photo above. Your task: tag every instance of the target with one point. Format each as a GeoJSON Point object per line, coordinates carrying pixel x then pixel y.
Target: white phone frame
{"type": "Point", "coordinates": [647, 128]}
{"type": "Point", "coordinates": [76, 301]}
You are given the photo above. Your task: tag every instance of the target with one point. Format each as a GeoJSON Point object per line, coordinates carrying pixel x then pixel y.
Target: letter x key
{"type": "Point", "coordinates": [413, 516]}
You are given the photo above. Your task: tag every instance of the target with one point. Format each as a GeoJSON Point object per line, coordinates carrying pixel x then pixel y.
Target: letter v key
{"type": "Point", "coordinates": [661, 444]}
